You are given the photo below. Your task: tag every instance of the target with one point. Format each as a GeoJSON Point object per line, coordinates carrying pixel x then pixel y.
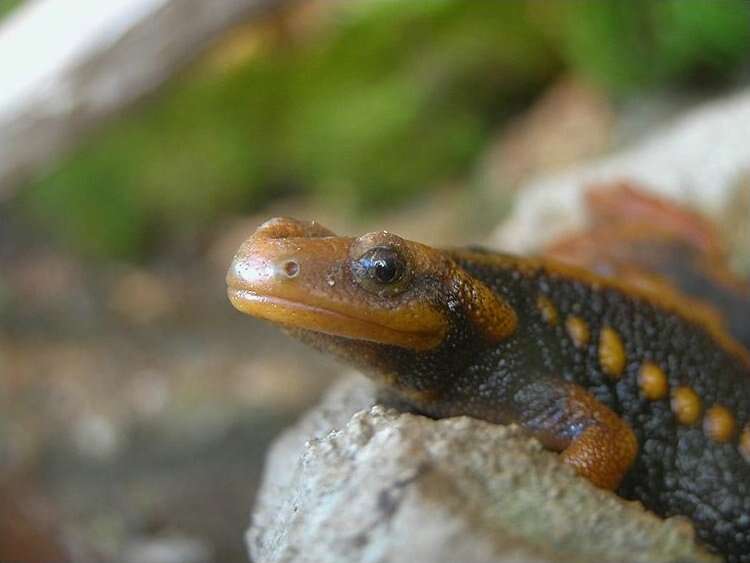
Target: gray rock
{"type": "Point", "coordinates": [354, 482]}
{"type": "Point", "coordinates": [170, 549]}
{"type": "Point", "coordinates": [697, 161]}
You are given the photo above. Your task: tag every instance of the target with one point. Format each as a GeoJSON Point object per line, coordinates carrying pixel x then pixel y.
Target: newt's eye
{"type": "Point", "coordinates": [380, 269]}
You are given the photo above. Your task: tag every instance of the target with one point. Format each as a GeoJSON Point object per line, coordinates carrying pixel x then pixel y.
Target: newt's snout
{"type": "Point", "coordinates": [285, 262]}
{"type": "Point", "coordinates": [273, 254]}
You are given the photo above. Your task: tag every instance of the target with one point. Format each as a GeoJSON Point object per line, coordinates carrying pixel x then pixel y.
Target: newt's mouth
{"type": "Point", "coordinates": [297, 274]}
{"type": "Point", "coordinates": [296, 314]}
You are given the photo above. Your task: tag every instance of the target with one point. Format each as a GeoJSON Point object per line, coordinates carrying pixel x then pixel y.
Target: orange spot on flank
{"type": "Point", "coordinates": [653, 382]}
{"type": "Point", "coordinates": [686, 405]}
{"type": "Point", "coordinates": [744, 445]}
{"type": "Point", "coordinates": [548, 310]}
{"type": "Point", "coordinates": [719, 424]}
{"type": "Point", "coordinates": [611, 353]}
{"type": "Point", "coordinates": [578, 330]}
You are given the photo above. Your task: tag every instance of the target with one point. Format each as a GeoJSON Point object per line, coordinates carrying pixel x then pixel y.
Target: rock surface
{"type": "Point", "coordinates": [354, 482]}
{"type": "Point", "coordinates": [699, 160]}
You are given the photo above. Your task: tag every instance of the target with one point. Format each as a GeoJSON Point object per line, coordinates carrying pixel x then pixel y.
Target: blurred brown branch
{"type": "Point", "coordinates": [66, 67]}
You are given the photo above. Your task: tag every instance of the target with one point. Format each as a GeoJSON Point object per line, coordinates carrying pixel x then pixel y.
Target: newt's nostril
{"type": "Point", "coordinates": [291, 268]}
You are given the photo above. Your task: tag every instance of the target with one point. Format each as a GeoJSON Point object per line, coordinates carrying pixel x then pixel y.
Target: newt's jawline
{"type": "Point", "coordinates": [295, 314]}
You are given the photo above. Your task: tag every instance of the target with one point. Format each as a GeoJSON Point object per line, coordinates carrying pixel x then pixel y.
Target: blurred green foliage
{"type": "Point", "coordinates": [391, 100]}
{"type": "Point", "coordinates": [7, 6]}
{"type": "Point", "coordinates": [629, 44]}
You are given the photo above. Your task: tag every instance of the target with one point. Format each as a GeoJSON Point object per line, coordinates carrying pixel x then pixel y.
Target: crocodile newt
{"type": "Point", "coordinates": [641, 391]}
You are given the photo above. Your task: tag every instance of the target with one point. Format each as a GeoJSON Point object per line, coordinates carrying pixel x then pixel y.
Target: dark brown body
{"type": "Point", "coordinates": [679, 469]}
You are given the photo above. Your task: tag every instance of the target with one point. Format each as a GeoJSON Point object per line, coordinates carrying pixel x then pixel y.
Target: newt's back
{"type": "Point", "coordinates": [679, 382]}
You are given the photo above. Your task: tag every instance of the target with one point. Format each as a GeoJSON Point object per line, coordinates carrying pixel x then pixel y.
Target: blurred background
{"type": "Point", "coordinates": [140, 143]}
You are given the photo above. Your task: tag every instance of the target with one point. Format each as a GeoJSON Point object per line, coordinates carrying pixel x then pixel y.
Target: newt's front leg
{"type": "Point", "coordinates": [567, 418]}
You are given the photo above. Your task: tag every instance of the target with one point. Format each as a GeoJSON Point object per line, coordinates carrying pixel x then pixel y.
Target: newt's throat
{"type": "Point", "coordinates": [295, 314]}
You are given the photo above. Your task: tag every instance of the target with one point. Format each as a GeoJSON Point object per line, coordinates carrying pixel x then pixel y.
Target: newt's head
{"type": "Point", "coordinates": [377, 288]}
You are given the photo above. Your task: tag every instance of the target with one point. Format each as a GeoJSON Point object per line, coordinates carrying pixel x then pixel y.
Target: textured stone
{"type": "Point", "coordinates": [698, 161]}
{"type": "Point", "coordinates": [378, 485]}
